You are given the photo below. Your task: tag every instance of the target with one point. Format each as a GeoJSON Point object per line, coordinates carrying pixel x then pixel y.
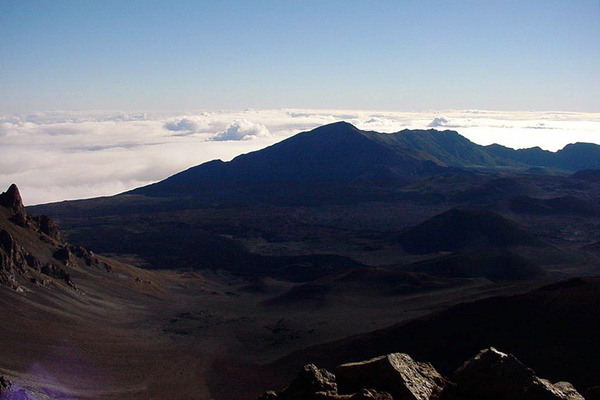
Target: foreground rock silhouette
{"type": "Point", "coordinates": [490, 375]}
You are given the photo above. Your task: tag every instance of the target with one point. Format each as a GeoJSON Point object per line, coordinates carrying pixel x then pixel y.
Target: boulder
{"type": "Point", "coordinates": [397, 374]}
{"type": "Point", "coordinates": [494, 375]}
{"type": "Point", "coordinates": [309, 381]}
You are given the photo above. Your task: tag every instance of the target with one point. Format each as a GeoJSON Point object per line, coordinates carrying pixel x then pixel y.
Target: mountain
{"type": "Point", "coordinates": [331, 154]}
{"type": "Point", "coordinates": [457, 229]}
{"type": "Point", "coordinates": [340, 153]}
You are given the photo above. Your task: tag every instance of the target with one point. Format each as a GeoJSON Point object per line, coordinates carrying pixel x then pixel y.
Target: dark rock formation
{"type": "Point", "coordinates": [495, 375]}
{"type": "Point", "coordinates": [23, 255]}
{"type": "Point", "coordinates": [47, 226]}
{"type": "Point", "coordinates": [11, 199]}
{"type": "Point", "coordinates": [88, 256]}
{"type": "Point", "coordinates": [12, 261]}
{"type": "Point", "coordinates": [397, 374]}
{"type": "Point", "coordinates": [16, 261]}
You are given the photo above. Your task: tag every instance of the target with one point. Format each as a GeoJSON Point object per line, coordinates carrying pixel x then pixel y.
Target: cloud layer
{"type": "Point", "coordinates": [68, 155]}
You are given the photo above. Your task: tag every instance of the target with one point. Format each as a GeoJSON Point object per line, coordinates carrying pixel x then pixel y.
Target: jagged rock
{"type": "Point", "coordinates": [494, 375]}
{"type": "Point", "coordinates": [47, 226]}
{"type": "Point", "coordinates": [397, 374]}
{"type": "Point", "coordinates": [11, 199]}
{"type": "Point", "coordinates": [58, 273]}
{"type": "Point", "coordinates": [12, 261]}
{"type": "Point", "coordinates": [88, 256]}
{"type": "Point", "coordinates": [308, 382]}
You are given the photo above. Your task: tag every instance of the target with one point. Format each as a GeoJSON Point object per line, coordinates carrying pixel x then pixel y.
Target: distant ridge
{"type": "Point", "coordinates": [339, 154]}
{"type": "Point", "coordinates": [573, 157]}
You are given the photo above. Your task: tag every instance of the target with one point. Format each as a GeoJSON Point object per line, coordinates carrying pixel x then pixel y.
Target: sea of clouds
{"type": "Point", "coordinates": [56, 156]}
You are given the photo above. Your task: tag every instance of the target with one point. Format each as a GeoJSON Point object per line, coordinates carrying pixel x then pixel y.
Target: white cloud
{"type": "Point", "coordinates": [438, 122]}
{"type": "Point", "coordinates": [182, 125]}
{"type": "Point", "coordinates": [242, 130]}
{"type": "Point", "coordinates": [67, 155]}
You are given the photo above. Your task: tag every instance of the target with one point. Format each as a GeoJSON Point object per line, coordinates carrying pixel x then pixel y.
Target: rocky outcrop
{"type": "Point", "coordinates": [490, 375]}
{"type": "Point", "coordinates": [313, 383]}
{"type": "Point", "coordinates": [493, 375]}
{"type": "Point", "coordinates": [47, 226]}
{"type": "Point", "coordinates": [24, 254]}
{"type": "Point", "coordinates": [10, 391]}
{"type": "Point", "coordinates": [16, 261]}
{"type": "Point", "coordinates": [397, 373]}
{"type": "Point", "coordinates": [11, 199]}
{"type": "Point", "coordinates": [12, 261]}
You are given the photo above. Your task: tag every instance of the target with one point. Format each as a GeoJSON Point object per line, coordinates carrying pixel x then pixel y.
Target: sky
{"type": "Point", "coordinates": [409, 55]}
{"type": "Point", "coordinates": [102, 96]}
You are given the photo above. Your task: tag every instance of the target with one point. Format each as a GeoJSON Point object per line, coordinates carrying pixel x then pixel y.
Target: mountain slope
{"type": "Point", "coordinates": [446, 148]}
{"type": "Point", "coordinates": [455, 230]}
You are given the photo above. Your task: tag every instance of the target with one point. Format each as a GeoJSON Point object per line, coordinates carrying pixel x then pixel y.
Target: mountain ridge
{"type": "Point", "coordinates": [340, 154]}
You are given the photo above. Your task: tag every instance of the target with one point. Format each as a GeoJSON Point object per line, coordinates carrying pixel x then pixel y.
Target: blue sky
{"type": "Point", "coordinates": [389, 55]}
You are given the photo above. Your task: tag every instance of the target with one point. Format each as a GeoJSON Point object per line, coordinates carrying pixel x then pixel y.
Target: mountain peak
{"type": "Point", "coordinates": [335, 128]}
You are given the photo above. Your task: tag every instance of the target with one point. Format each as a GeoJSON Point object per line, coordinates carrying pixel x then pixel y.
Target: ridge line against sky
{"type": "Point", "coordinates": [412, 55]}
{"type": "Point", "coordinates": [56, 156]}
